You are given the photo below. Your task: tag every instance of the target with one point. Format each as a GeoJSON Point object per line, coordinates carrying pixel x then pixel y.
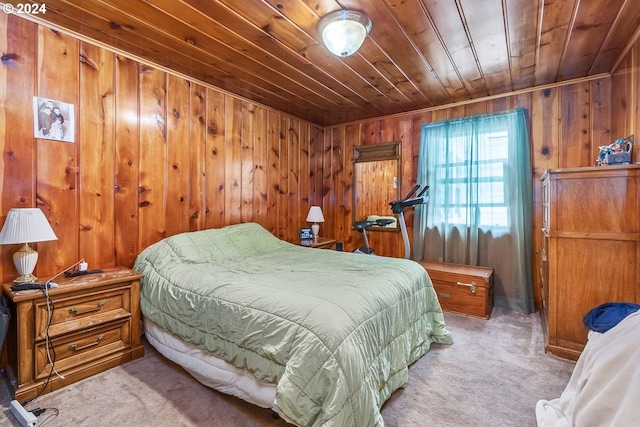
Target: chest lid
{"type": "Point", "coordinates": [450, 272]}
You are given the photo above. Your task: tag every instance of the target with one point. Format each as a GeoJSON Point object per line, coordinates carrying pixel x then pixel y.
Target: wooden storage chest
{"type": "Point", "coordinates": [465, 289]}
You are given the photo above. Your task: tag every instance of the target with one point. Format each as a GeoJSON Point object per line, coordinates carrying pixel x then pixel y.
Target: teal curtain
{"type": "Point", "coordinates": [479, 212]}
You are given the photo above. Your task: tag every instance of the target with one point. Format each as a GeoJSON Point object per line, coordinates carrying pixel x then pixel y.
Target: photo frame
{"type": "Point", "coordinates": [53, 119]}
{"type": "Point", "coordinates": [306, 233]}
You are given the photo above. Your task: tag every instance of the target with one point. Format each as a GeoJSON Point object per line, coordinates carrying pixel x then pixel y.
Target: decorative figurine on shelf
{"type": "Point", "coordinates": [618, 153]}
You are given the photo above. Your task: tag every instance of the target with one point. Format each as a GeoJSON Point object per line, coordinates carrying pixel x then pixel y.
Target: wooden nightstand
{"type": "Point", "coordinates": [95, 325]}
{"type": "Point", "coordinates": [319, 243]}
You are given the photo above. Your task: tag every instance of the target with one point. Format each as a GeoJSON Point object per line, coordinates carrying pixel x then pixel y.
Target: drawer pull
{"type": "Point", "coordinates": [75, 311]}
{"type": "Point", "coordinates": [472, 285]}
{"type": "Point", "coordinates": [74, 347]}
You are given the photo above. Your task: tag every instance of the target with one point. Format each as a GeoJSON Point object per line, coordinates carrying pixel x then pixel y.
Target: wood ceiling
{"type": "Point", "coordinates": [419, 54]}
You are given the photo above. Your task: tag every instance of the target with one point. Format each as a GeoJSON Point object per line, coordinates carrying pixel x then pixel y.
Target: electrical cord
{"type": "Point", "coordinates": [47, 339]}
{"type": "Point", "coordinates": [50, 416]}
{"type": "Point", "coordinates": [50, 350]}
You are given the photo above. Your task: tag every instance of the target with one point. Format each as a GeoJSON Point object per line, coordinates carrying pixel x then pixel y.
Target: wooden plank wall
{"type": "Point", "coordinates": [155, 154]}
{"type": "Point", "coordinates": [567, 125]}
{"type": "Point", "coordinates": [626, 98]}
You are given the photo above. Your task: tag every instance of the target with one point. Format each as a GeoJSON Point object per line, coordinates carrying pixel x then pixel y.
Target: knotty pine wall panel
{"type": "Point", "coordinates": [282, 175]}
{"type": "Point", "coordinates": [293, 170]}
{"type": "Point", "coordinates": [316, 141]}
{"type": "Point", "coordinates": [344, 206]}
{"type": "Point", "coordinates": [214, 160]}
{"type": "Point", "coordinates": [329, 185]}
{"type": "Point", "coordinates": [197, 132]}
{"type": "Point", "coordinates": [126, 155]}
{"type": "Point", "coordinates": [179, 177]}
{"type": "Point", "coordinates": [154, 154]}
{"type": "Point", "coordinates": [304, 176]}
{"type": "Point", "coordinates": [239, 161]}
{"type": "Point", "coordinates": [575, 123]}
{"type": "Point", "coordinates": [152, 190]}
{"type": "Point", "coordinates": [233, 161]}
{"type": "Point", "coordinates": [96, 160]}
{"type": "Point", "coordinates": [57, 162]}
{"type": "Point", "coordinates": [626, 106]}
{"type": "Point", "coordinates": [17, 79]}
{"type": "Point", "coordinates": [566, 125]}
{"type": "Point", "coordinates": [273, 170]}
{"type": "Point", "coordinates": [258, 132]}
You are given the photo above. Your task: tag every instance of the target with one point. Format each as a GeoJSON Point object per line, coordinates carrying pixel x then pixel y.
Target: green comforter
{"type": "Point", "coordinates": [335, 331]}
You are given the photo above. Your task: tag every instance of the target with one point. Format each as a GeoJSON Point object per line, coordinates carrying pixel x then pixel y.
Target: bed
{"type": "Point", "coordinates": [322, 337]}
{"type": "Point", "coordinates": [604, 388]}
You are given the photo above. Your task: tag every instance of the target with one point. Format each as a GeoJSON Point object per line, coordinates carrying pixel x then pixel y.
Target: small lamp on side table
{"type": "Point", "coordinates": [315, 216]}
{"type": "Point", "coordinates": [24, 226]}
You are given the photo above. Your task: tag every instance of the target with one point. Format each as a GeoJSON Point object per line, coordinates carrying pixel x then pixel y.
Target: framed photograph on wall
{"type": "Point", "coordinates": [53, 119]}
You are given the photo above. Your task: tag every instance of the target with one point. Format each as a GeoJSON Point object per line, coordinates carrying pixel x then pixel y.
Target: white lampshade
{"type": "Point", "coordinates": [344, 31]}
{"type": "Point", "coordinates": [24, 226]}
{"type": "Point", "coordinates": [315, 216]}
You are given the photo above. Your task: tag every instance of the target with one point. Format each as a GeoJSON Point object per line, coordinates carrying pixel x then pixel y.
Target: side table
{"type": "Point", "coordinates": [319, 243]}
{"type": "Point", "coordinates": [94, 326]}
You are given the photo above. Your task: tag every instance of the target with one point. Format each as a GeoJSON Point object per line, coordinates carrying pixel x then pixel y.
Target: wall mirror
{"type": "Point", "coordinates": [376, 182]}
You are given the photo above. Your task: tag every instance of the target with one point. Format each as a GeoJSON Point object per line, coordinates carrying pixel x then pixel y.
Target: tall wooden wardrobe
{"type": "Point", "coordinates": [590, 252]}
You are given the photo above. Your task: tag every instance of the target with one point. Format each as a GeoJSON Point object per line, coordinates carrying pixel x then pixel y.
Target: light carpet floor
{"type": "Point", "coordinates": [492, 375]}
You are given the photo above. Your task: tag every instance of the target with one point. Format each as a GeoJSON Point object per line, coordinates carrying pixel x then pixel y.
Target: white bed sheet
{"type": "Point", "coordinates": [208, 369]}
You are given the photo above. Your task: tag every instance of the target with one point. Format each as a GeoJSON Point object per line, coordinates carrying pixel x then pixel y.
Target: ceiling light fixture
{"type": "Point", "coordinates": [344, 31]}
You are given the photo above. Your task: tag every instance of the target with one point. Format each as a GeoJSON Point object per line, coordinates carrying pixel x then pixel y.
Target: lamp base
{"type": "Point", "coordinates": [25, 260]}
{"type": "Point", "coordinates": [315, 229]}
{"type": "Point", "coordinates": [25, 278]}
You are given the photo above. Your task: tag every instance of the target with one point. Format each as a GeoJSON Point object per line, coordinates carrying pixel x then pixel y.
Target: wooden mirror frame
{"type": "Point", "coordinates": [382, 163]}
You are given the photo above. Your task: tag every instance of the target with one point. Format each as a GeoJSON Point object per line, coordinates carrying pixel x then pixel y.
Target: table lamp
{"type": "Point", "coordinates": [24, 226]}
{"type": "Point", "coordinates": [315, 216]}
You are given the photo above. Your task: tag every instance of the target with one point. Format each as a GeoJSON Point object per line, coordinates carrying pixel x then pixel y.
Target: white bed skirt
{"type": "Point", "coordinates": [208, 369]}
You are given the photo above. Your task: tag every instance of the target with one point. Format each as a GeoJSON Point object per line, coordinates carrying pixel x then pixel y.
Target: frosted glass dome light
{"type": "Point", "coordinates": [344, 31]}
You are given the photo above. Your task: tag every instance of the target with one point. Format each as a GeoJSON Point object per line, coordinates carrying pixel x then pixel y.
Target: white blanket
{"type": "Point", "coordinates": [604, 389]}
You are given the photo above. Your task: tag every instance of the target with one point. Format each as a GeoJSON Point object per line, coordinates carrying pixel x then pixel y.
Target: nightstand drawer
{"type": "Point", "coordinates": [73, 350]}
{"type": "Point", "coordinates": [81, 311]}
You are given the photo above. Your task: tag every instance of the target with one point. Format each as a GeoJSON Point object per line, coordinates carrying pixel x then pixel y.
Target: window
{"type": "Point", "coordinates": [480, 212]}
{"type": "Point", "coordinates": [474, 191]}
